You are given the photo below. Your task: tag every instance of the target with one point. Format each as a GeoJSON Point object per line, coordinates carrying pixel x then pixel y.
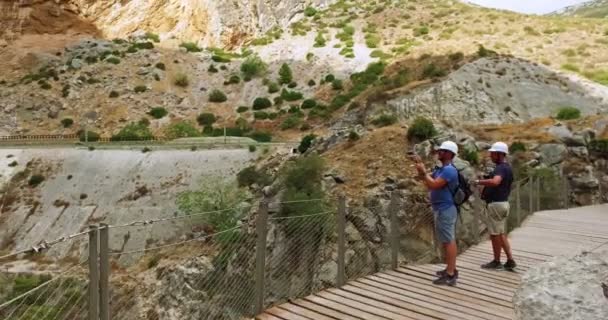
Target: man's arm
{"type": "Point", "coordinates": [433, 184]}
{"type": "Point", "coordinates": [494, 182]}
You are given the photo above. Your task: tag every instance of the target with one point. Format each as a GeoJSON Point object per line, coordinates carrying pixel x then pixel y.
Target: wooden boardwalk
{"type": "Point", "coordinates": [407, 293]}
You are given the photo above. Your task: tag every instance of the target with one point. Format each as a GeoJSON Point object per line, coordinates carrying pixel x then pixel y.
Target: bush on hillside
{"type": "Point", "coordinates": [433, 71]}
{"type": "Point", "coordinates": [253, 66]}
{"type": "Point", "coordinates": [260, 115]}
{"type": "Point", "coordinates": [181, 80]}
{"type": "Point", "coordinates": [242, 109]}
{"type": "Point", "coordinates": [190, 47]}
{"type": "Point", "coordinates": [251, 175]}
{"type": "Point", "coordinates": [160, 66]}
{"type": "Point", "coordinates": [261, 136]}
{"type": "Point", "coordinates": [353, 136]}
{"type": "Point", "coordinates": [337, 84]}
{"type": "Point", "coordinates": [133, 132]}
{"type": "Point", "coordinates": [312, 83]}
{"type": "Point", "coordinates": [217, 96]}
{"type": "Point", "coordinates": [424, 30]}
{"type": "Point", "coordinates": [306, 143]}
{"type": "Point", "coordinates": [568, 113]}
{"type": "Point", "coordinates": [212, 69]}
{"type": "Point", "coordinates": [599, 145]}
{"type": "Point", "coordinates": [158, 112]}
{"type": "Point", "coordinates": [310, 11]}
{"type": "Point", "coordinates": [140, 89]}
{"type": "Point", "coordinates": [273, 87]}
{"type": "Point", "coordinates": [291, 122]}
{"type": "Point", "coordinates": [422, 129]}
{"type": "Point", "coordinates": [206, 119]}
{"type": "Point", "coordinates": [35, 180]}
{"type": "Point", "coordinates": [91, 136]}
{"type": "Point", "coordinates": [309, 104]}
{"type": "Point", "coordinates": [261, 103]}
{"type": "Point", "coordinates": [234, 79]}
{"type": "Point", "coordinates": [114, 94]}
{"type": "Point", "coordinates": [292, 85]}
{"type": "Point", "coordinates": [67, 122]}
{"type": "Point", "coordinates": [288, 95]}
{"type": "Point", "coordinates": [181, 129]}
{"type": "Point", "coordinates": [471, 156]}
{"type": "Point", "coordinates": [517, 147]}
{"type": "Point", "coordinates": [384, 120]}
{"type": "Point", "coordinates": [285, 74]}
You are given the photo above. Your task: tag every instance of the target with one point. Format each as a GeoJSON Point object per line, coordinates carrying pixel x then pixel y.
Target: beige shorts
{"type": "Point", "coordinates": [496, 214]}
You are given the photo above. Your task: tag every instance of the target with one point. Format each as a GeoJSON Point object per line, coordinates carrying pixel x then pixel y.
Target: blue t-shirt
{"type": "Point", "coordinates": [442, 199]}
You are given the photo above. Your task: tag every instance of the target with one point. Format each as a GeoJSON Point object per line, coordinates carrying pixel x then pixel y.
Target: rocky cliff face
{"type": "Point", "coordinates": [208, 22]}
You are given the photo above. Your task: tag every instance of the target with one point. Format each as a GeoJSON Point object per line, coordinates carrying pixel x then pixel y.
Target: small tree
{"type": "Point", "coordinates": [67, 122]}
{"type": "Point", "coordinates": [206, 119]}
{"type": "Point", "coordinates": [158, 112]}
{"type": "Point", "coordinates": [217, 96]}
{"type": "Point", "coordinates": [306, 143]}
{"type": "Point", "coordinates": [309, 104]}
{"type": "Point", "coordinates": [568, 113]}
{"type": "Point", "coordinates": [285, 74]}
{"type": "Point", "coordinates": [261, 103]}
{"type": "Point", "coordinates": [421, 129]}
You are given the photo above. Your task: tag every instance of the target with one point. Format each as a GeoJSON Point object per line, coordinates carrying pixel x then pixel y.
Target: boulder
{"type": "Point", "coordinates": [76, 64]}
{"type": "Point", "coordinates": [564, 288]}
{"type": "Point", "coordinates": [585, 180]}
{"type": "Point", "coordinates": [560, 131]}
{"type": "Point", "coordinates": [482, 145]}
{"type": "Point", "coordinates": [552, 153]}
{"type": "Point", "coordinates": [580, 152]}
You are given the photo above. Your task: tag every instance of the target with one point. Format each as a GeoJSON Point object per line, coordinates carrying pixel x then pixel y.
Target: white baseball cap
{"type": "Point", "coordinates": [500, 147]}
{"type": "Point", "coordinates": [449, 146]}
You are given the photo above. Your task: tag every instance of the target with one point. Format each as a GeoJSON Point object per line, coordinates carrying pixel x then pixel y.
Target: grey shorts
{"type": "Point", "coordinates": [445, 224]}
{"type": "Point", "coordinates": [496, 214]}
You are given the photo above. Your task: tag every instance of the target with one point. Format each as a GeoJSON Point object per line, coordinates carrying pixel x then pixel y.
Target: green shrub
{"type": "Point", "coordinates": [113, 60]}
{"type": "Point", "coordinates": [67, 122]}
{"type": "Point", "coordinates": [242, 109]}
{"type": "Point", "coordinates": [212, 69]}
{"type": "Point", "coordinates": [483, 52]}
{"type": "Point", "coordinates": [234, 79]}
{"type": "Point", "coordinates": [458, 56]}
{"type": "Point", "coordinates": [206, 119]}
{"type": "Point", "coordinates": [114, 94]}
{"type": "Point", "coordinates": [220, 58]}
{"type": "Point", "coordinates": [288, 95]}
{"type": "Point", "coordinates": [337, 84]}
{"type": "Point", "coordinates": [421, 129]}
{"type": "Point", "coordinates": [35, 180]}
{"type": "Point", "coordinates": [152, 36]}
{"type": "Point", "coordinates": [133, 132]}
{"type": "Point", "coordinates": [273, 87]}
{"type": "Point", "coordinates": [599, 145]}
{"type": "Point", "coordinates": [517, 146]}
{"type": "Point", "coordinates": [320, 41]}
{"type": "Point", "coordinates": [44, 85]}
{"type": "Point", "coordinates": [310, 12]}
{"type": "Point", "coordinates": [139, 89]}
{"type": "Point", "coordinates": [252, 148]}
{"type": "Point", "coordinates": [181, 130]}
{"type": "Point", "coordinates": [421, 31]}
{"type": "Point", "coordinates": [190, 47]}
{"type": "Point", "coordinates": [291, 122]}
{"type": "Point", "coordinates": [260, 115]}
{"type": "Point", "coordinates": [160, 66]}
{"type": "Point", "coordinates": [568, 113]}
{"type": "Point", "coordinates": [292, 85]}
{"type": "Point", "coordinates": [251, 175]}
{"type": "Point", "coordinates": [285, 74]}
{"type": "Point", "coordinates": [384, 120]}
{"type": "Point", "coordinates": [433, 71]}
{"type": "Point", "coordinates": [278, 101]}
{"type": "Point", "coordinates": [471, 156]}
{"type": "Point", "coordinates": [372, 40]}
{"type": "Point", "coordinates": [571, 67]}
{"type": "Point", "coordinates": [309, 104]}
{"type": "Point", "coordinates": [181, 80]}
{"type": "Point", "coordinates": [208, 131]}
{"type": "Point", "coordinates": [273, 115]}
{"type": "Point", "coordinates": [261, 103]}
{"type": "Point", "coordinates": [143, 45]}
{"type": "Point", "coordinates": [158, 112]}
{"type": "Point", "coordinates": [353, 136]}
{"type": "Point", "coordinates": [306, 143]}
{"type": "Point", "coordinates": [261, 136]}
{"type": "Point", "coordinates": [217, 96]}
{"type": "Point", "coordinates": [144, 121]}
{"type": "Point", "coordinates": [311, 83]}
{"type": "Point", "coordinates": [253, 66]}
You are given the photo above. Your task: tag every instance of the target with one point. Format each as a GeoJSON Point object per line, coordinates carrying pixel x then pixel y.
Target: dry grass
{"type": "Point", "coordinates": [531, 131]}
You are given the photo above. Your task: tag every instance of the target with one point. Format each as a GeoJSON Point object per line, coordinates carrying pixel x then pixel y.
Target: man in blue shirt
{"type": "Point", "coordinates": [442, 184]}
{"type": "Point", "coordinates": [496, 195]}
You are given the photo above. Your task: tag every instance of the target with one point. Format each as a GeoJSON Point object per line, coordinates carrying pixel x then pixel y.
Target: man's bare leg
{"type": "Point", "coordinates": [450, 257]}
{"type": "Point", "coordinates": [496, 246]}
{"type": "Point", "coordinates": [506, 246]}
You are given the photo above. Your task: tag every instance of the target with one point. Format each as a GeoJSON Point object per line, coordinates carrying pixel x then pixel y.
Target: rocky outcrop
{"type": "Point", "coordinates": [210, 23]}
{"type": "Point", "coordinates": [499, 90]}
{"type": "Point", "coordinates": [565, 288]}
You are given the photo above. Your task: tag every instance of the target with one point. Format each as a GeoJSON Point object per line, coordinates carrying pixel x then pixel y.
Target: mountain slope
{"type": "Point", "coordinates": [589, 9]}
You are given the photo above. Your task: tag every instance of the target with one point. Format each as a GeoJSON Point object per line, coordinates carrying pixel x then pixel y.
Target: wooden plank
{"type": "Point", "coordinates": [516, 254]}
{"type": "Point", "coordinates": [462, 289]}
{"type": "Point", "coordinates": [265, 316]}
{"type": "Point", "coordinates": [347, 309]}
{"type": "Point", "coordinates": [304, 312]}
{"type": "Point", "coordinates": [323, 310]}
{"type": "Point", "coordinates": [356, 294]}
{"type": "Point", "coordinates": [507, 276]}
{"type": "Point", "coordinates": [379, 312]}
{"type": "Point", "coordinates": [428, 293]}
{"type": "Point", "coordinates": [480, 284]}
{"type": "Point", "coordinates": [409, 300]}
{"type": "Point", "coordinates": [497, 294]}
{"type": "Point", "coordinates": [480, 259]}
{"type": "Point", "coordinates": [464, 273]}
{"type": "Point", "coordinates": [540, 228]}
{"type": "Point", "coordinates": [554, 237]}
{"type": "Point", "coordinates": [283, 314]}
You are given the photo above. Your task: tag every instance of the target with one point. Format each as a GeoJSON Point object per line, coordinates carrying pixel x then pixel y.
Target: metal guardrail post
{"type": "Point", "coordinates": [394, 236]}
{"type": "Point", "coordinates": [93, 273]}
{"type": "Point", "coordinates": [567, 193]}
{"type": "Point", "coordinates": [538, 194]}
{"type": "Point", "coordinates": [341, 225]}
{"type": "Point", "coordinates": [477, 208]}
{"type": "Point", "coordinates": [260, 258]}
{"type": "Point", "coordinates": [530, 195]}
{"type": "Point", "coordinates": [104, 272]}
{"type": "Point", "coordinates": [518, 204]}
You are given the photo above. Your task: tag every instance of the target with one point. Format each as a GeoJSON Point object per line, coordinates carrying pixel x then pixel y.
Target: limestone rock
{"type": "Point", "coordinates": [552, 153]}
{"type": "Point", "coordinates": [564, 288]}
{"type": "Point", "coordinates": [581, 152]}
{"type": "Point", "coordinates": [585, 180]}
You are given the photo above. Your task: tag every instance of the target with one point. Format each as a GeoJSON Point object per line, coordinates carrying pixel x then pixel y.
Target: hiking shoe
{"type": "Point", "coordinates": [492, 265]}
{"type": "Point", "coordinates": [446, 280]}
{"type": "Point", "coordinates": [510, 265]}
{"type": "Point", "coordinates": [444, 272]}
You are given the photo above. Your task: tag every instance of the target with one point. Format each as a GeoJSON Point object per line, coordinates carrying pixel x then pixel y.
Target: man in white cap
{"type": "Point", "coordinates": [496, 195]}
{"type": "Point", "coordinates": [442, 184]}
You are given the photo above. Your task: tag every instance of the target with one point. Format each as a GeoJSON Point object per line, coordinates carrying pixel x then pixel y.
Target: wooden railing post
{"type": "Point", "coordinates": [518, 204]}
{"type": "Point", "coordinates": [538, 193]}
{"type": "Point", "coordinates": [104, 272]}
{"type": "Point", "coordinates": [394, 231]}
{"type": "Point", "coordinates": [477, 208]}
{"type": "Point", "coordinates": [93, 273]}
{"type": "Point", "coordinates": [260, 260]}
{"type": "Point", "coordinates": [341, 225]}
{"type": "Point", "coordinates": [531, 195]}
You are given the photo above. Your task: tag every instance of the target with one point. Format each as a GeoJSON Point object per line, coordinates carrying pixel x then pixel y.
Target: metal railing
{"type": "Point", "coordinates": [264, 260]}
